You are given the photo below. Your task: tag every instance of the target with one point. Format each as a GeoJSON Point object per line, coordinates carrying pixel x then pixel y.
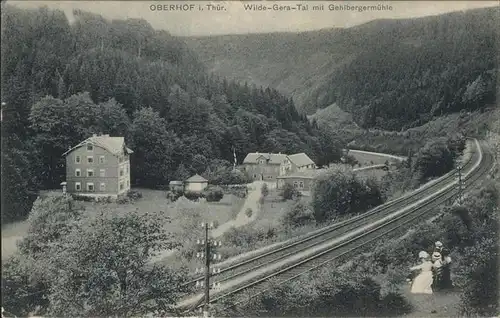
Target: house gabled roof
{"type": "Point", "coordinates": [115, 145]}
{"type": "Point", "coordinates": [196, 178]}
{"type": "Point", "coordinates": [301, 159]}
{"type": "Point", "coordinates": [273, 158]}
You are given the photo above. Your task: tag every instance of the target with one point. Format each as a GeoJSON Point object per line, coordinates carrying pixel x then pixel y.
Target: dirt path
{"type": "Point", "coordinates": [251, 202]}
{"type": "Point", "coordinates": [439, 304]}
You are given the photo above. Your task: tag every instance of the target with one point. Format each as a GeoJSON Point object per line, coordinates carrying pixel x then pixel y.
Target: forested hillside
{"type": "Point", "coordinates": [61, 82]}
{"type": "Point", "coordinates": [390, 74]}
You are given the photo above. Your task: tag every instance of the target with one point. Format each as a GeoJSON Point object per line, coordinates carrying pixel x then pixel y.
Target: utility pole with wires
{"type": "Point", "coordinates": [209, 255]}
{"type": "Point", "coordinates": [460, 183]}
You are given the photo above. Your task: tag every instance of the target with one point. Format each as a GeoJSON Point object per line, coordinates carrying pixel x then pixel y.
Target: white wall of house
{"type": "Point", "coordinates": [196, 186]}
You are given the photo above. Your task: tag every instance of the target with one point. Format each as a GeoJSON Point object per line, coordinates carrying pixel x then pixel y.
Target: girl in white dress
{"type": "Point", "coordinates": [423, 282]}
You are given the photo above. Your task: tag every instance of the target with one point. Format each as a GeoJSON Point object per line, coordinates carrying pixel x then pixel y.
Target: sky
{"type": "Point", "coordinates": [234, 18]}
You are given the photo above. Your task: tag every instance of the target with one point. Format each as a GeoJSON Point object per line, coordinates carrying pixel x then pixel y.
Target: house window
{"type": "Point", "coordinates": [90, 173]}
{"type": "Point", "coordinates": [78, 173]}
{"type": "Point", "coordinates": [90, 186]}
{"type": "Point", "coordinates": [78, 186]}
{"type": "Point", "coordinates": [103, 186]}
{"type": "Point", "coordinates": [301, 184]}
{"type": "Point", "coordinates": [90, 147]}
{"type": "Point", "coordinates": [120, 159]}
{"type": "Point", "coordinates": [128, 183]}
{"type": "Point", "coordinates": [102, 159]}
{"type": "Point", "coordinates": [90, 159]}
{"type": "Point", "coordinates": [295, 184]}
{"type": "Point", "coordinates": [121, 172]}
{"type": "Point", "coordinates": [102, 173]}
{"type": "Point", "coordinates": [255, 176]}
{"type": "Point", "coordinates": [126, 169]}
{"type": "Point", "coordinates": [78, 159]}
{"type": "Point", "coordinates": [121, 185]}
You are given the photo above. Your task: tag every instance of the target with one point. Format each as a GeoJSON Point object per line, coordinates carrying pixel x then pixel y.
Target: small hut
{"type": "Point", "coordinates": [195, 184]}
{"type": "Point", "coordinates": [176, 186]}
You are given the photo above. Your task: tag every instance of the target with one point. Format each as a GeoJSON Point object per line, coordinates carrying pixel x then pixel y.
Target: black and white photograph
{"type": "Point", "coordinates": [269, 158]}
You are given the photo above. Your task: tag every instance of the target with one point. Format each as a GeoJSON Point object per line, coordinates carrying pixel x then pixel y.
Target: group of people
{"type": "Point", "coordinates": [434, 271]}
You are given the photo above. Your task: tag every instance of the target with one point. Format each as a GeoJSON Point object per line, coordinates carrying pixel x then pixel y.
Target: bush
{"type": "Point", "coordinates": [264, 190]}
{"type": "Point", "coordinates": [480, 296]}
{"type": "Point", "coordinates": [242, 237]}
{"type": "Point", "coordinates": [123, 200]}
{"type": "Point", "coordinates": [394, 304]}
{"type": "Point", "coordinates": [104, 200]}
{"type": "Point", "coordinates": [248, 212]}
{"type": "Point", "coordinates": [173, 195]}
{"type": "Point", "coordinates": [223, 175]}
{"type": "Point", "coordinates": [325, 294]}
{"type": "Point", "coordinates": [193, 196]}
{"type": "Point", "coordinates": [239, 191]}
{"type": "Point", "coordinates": [434, 160]}
{"type": "Point", "coordinates": [83, 198]}
{"type": "Point", "coordinates": [134, 195]}
{"type": "Point", "coordinates": [214, 194]}
{"type": "Point", "coordinates": [298, 215]}
{"type": "Point", "coordinates": [289, 192]}
{"type": "Point", "coordinates": [350, 160]}
{"type": "Point", "coordinates": [341, 192]}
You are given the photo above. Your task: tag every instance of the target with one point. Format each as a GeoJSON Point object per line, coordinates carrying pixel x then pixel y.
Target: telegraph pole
{"type": "Point", "coordinates": [460, 185]}
{"type": "Point", "coordinates": [207, 273]}
{"type": "Point", "coordinates": [208, 246]}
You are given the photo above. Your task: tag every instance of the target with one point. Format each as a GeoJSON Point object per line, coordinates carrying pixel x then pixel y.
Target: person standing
{"type": "Point", "coordinates": [446, 282]}
{"type": "Point", "coordinates": [438, 247]}
{"type": "Point", "coordinates": [422, 284]}
{"type": "Point", "coordinates": [437, 264]}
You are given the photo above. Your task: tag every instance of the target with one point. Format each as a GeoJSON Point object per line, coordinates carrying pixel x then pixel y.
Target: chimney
{"type": "Point", "coordinates": [257, 152]}
{"type": "Point", "coordinates": [279, 153]}
{"type": "Point", "coordinates": [94, 135]}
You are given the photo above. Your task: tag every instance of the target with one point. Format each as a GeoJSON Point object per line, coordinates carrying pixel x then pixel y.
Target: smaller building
{"type": "Point", "coordinates": [296, 163]}
{"type": "Point", "coordinates": [302, 180]}
{"type": "Point", "coordinates": [195, 184]}
{"type": "Point", "coordinates": [176, 186]}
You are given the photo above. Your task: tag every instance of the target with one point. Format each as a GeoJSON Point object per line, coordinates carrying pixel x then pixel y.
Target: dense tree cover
{"type": "Point", "coordinates": [325, 293]}
{"type": "Point", "coordinates": [336, 193]}
{"type": "Point", "coordinates": [63, 82]}
{"type": "Point", "coordinates": [435, 159]}
{"type": "Point", "coordinates": [75, 264]}
{"type": "Point", "coordinates": [425, 68]}
{"type": "Point", "coordinates": [390, 74]}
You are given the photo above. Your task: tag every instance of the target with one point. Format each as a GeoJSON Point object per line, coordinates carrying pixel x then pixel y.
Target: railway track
{"type": "Point", "coordinates": [328, 232]}
{"type": "Point", "coordinates": [339, 239]}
